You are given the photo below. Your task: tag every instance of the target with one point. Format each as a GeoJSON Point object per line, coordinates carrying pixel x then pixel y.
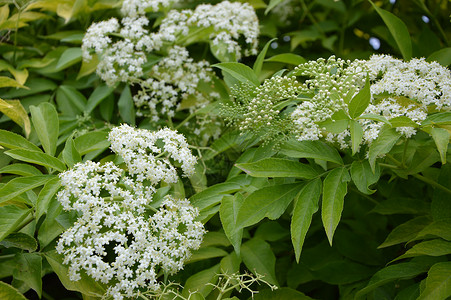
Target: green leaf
{"type": "Point", "coordinates": [382, 144]}
{"type": "Point", "coordinates": [360, 101]}
{"type": "Point", "coordinates": [99, 94]}
{"type": "Point", "coordinates": [442, 56]}
{"type": "Point", "coordinates": [311, 149]}
{"type": "Point", "coordinates": [440, 205]}
{"type": "Point", "coordinates": [28, 270]}
{"type": "Point", "coordinates": [20, 240]}
{"type": "Point", "coordinates": [16, 112]}
{"type": "Point", "coordinates": [438, 282]}
{"type": "Point", "coordinates": [271, 5]}
{"type": "Point", "coordinates": [356, 135]}
{"type": "Point", "coordinates": [12, 216]}
{"type": "Point", "coordinates": [259, 259]}
{"type": "Point", "coordinates": [374, 117]}
{"type": "Point", "coordinates": [440, 228]}
{"type": "Point", "coordinates": [278, 167]}
{"type": "Point", "coordinates": [45, 196]}
{"type": "Point", "coordinates": [230, 264]}
{"type": "Point", "coordinates": [240, 72]}
{"type": "Point", "coordinates": [10, 293]}
{"type": "Point", "coordinates": [20, 169]}
{"type": "Point", "coordinates": [406, 231]}
{"type": "Point", "coordinates": [14, 141]}
{"type": "Point", "coordinates": [35, 85]}
{"type": "Point", "coordinates": [281, 294]}
{"type": "Point", "coordinates": [199, 179]}
{"type": "Point", "coordinates": [228, 213]}
{"type": "Point", "coordinates": [306, 205]}
{"type": "Point", "coordinates": [38, 158]}
{"type": "Point", "coordinates": [268, 202]}
{"type": "Point", "coordinates": [20, 185]}
{"type": "Point", "coordinates": [363, 176]}
{"type": "Point", "coordinates": [202, 282]}
{"type": "Point", "coordinates": [88, 67]}
{"type": "Point", "coordinates": [46, 123]}
{"type": "Point", "coordinates": [126, 106]}
{"type": "Point", "coordinates": [219, 49]}
{"type": "Point", "coordinates": [215, 238]}
{"type": "Point", "coordinates": [401, 205]}
{"type": "Point", "coordinates": [70, 153]}
{"type": "Point", "coordinates": [70, 101]}
{"type": "Point", "coordinates": [271, 231]}
{"type": "Point", "coordinates": [70, 57]}
{"type": "Point", "coordinates": [287, 58]}
{"type": "Point", "coordinates": [206, 253]}
{"type": "Point", "coordinates": [51, 227]}
{"type": "Point", "coordinates": [92, 141]}
{"type": "Point", "coordinates": [403, 121]}
{"type": "Point", "coordinates": [334, 190]}
{"type": "Point", "coordinates": [106, 107]}
{"type": "Point", "coordinates": [213, 194]}
{"type": "Point", "coordinates": [441, 138]}
{"type": "Point", "coordinates": [85, 285]}
{"type": "Point", "coordinates": [261, 57]}
{"type": "Point", "coordinates": [442, 118]}
{"type": "Point", "coordinates": [435, 247]}
{"type": "Point", "coordinates": [411, 292]}
{"type": "Point", "coordinates": [398, 30]}
{"type": "Point", "coordinates": [391, 273]}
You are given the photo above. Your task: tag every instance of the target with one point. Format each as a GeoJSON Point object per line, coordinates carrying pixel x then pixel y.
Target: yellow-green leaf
{"type": "Point", "coordinates": [10, 293]}
{"type": "Point", "coordinates": [438, 282]}
{"type": "Point", "coordinates": [9, 82]}
{"type": "Point", "coordinates": [16, 112]}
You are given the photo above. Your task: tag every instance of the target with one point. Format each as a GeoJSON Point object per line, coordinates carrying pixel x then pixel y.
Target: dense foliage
{"type": "Point", "coordinates": [169, 149]}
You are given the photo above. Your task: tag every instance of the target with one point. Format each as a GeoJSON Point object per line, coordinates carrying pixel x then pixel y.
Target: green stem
{"type": "Point", "coordinates": [388, 166]}
{"type": "Point", "coordinates": [15, 33]}
{"type": "Point", "coordinates": [170, 123]}
{"type": "Point", "coordinates": [311, 17]}
{"type": "Point", "coordinates": [406, 143]}
{"type": "Point", "coordinates": [420, 177]}
{"type": "Point", "coordinates": [440, 30]}
{"type": "Point", "coordinates": [185, 120]}
{"type": "Point", "coordinates": [46, 296]}
{"type": "Point", "coordinates": [363, 195]}
{"type": "Point", "coordinates": [342, 35]}
{"type": "Point", "coordinates": [432, 182]}
{"type": "Point", "coordinates": [27, 221]}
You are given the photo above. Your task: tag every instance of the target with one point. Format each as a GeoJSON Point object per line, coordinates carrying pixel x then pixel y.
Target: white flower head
{"type": "Point", "coordinates": [118, 238]}
{"type": "Point", "coordinates": [126, 250]}
{"type": "Point", "coordinates": [147, 154]}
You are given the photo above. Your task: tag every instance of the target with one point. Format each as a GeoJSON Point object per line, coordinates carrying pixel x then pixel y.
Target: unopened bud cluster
{"type": "Point", "coordinates": [318, 91]}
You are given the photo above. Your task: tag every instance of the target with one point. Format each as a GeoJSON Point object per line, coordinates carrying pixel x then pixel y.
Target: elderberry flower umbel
{"type": "Point", "coordinates": [140, 149]}
{"type": "Point", "coordinates": [121, 238]}
{"type": "Point", "coordinates": [124, 57]}
{"type": "Point", "coordinates": [313, 102]}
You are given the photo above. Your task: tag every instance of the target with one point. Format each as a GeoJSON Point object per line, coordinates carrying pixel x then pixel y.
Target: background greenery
{"type": "Point", "coordinates": [391, 229]}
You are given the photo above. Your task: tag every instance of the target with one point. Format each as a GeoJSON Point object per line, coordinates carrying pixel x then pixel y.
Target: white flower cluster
{"type": "Point", "coordinates": [174, 81]}
{"type": "Point", "coordinates": [116, 239]}
{"type": "Point", "coordinates": [129, 52]}
{"type": "Point", "coordinates": [123, 58]}
{"type": "Point", "coordinates": [147, 154]}
{"type": "Point", "coordinates": [134, 8]}
{"type": "Point", "coordinates": [398, 89]}
{"type": "Point", "coordinates": [401, 92]}
{"type": "Point", "coordinates": [328, 85]}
